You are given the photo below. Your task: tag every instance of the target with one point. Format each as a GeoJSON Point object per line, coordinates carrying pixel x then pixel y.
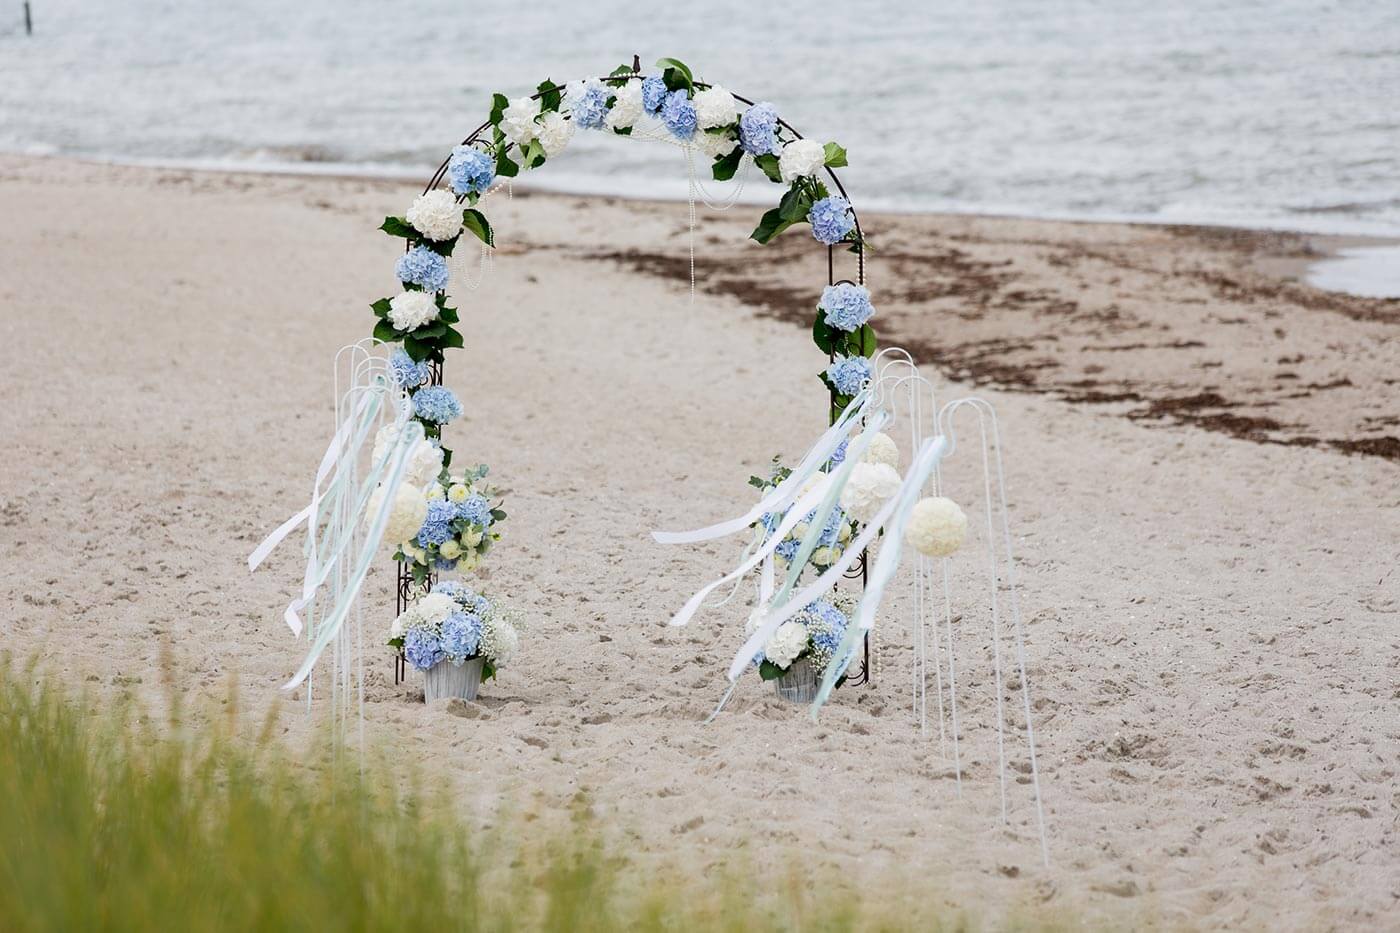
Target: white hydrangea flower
{"type": "Point", "coordinates": [787, 643]}
{"type": "Point", "coordinates": [406, 620]}
{"type": "Point", "coordinates": [554, 133]}
{"type": "Point", "coordinates": [406, 514]}
{"type": "Point", "coordinates": [411, 310]}
{"type": "Point", "coordinates": [937, 527]}
{"type": "Point", "coordinates": [869, 487]}
{"type": "Point", "coordinates": [714, 106]}
{"type": "Point", "coordinates": [801, 157]}
{"type": "Point", "coordinates": [436, 215]}
{"type": "Point", "coordinates": [627, 109]}
{"type": "Point", "coordinates": [518, 120]}
{"type": "Point", "coordinates": [714, 145]}
{"type": "Point", "coordinates": [436, 607]}
{"type": "Point", "coordinates": [882, 450]}
{"type": "Point", "coordinates": [499, 640]}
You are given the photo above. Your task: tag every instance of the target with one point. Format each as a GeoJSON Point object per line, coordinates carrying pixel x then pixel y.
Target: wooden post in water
{"type": "Point", "coordinates": [28, 20]}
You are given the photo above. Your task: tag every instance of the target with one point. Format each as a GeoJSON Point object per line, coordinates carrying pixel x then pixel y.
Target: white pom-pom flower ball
{"type": "Point", "coordinates": [868, 488]}
{"type": "Point", "coordinates": [518, 120]}
{"type": "Point", "coordinates": [801, 157]}
{"type": "Point", "coordinates": [436, 215]}
{"type": "Point", "coordinates": [411, 310]}
{"type": "Point", "coordinates": [937, 527]}
{"type": "Point", "coordinates": [882, 450]}
{"type": "Point", "coordinates": [714, 106]}
{"type": "Point", "coordinates": [554, 133]}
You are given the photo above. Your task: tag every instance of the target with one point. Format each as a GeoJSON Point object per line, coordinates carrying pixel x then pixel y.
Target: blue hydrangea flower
{"type": "Point", "coordinates": [445, 565]}
{"type": "Point", "coordinates": [831, 219]}
{"type": "Point", "coordinates": [838, 456]}
{"type": "Point", "coordinates": [452, 589]}
{"type": "Point", "coordinates": [406, 373]}
{"type": "Point", "coordinates": [787, 549]}
{"type": "Point", "coordinates": [437, 528]}
{"type": "Point", "coordinates": [470, 170]}
{"type": "Point", "coordinates": [653, 93]}
{"type": "Point", "coordinates": [848, 374]}
{"type": "Point", "coordinates": [678, 113]}
{"type": "Point", "coordinates": [422, 267]}
{"type": "Point", "coordinates": [826, 626]}
{"type": "Point", "coordinates": [475, 509]}
{"type": "Point", "coordinates": [422, 648]}
{"type": "Point", "coordinates": [437, 404]}
{"type": "Point", "coordinates": [847, 306]}
{"type": "Point", "coordinates": [831, 531]}
{"type": "Point", "coordinates": [758, 129]}
{"type": "Point", "coordinates": [590, 109]}
{"type": "Point", "coordinates": [461, 636]}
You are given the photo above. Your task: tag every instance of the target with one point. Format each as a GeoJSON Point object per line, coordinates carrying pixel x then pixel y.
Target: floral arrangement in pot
{"type": "Point", "coordinates": [457, 637]}
{"type": "Point", "coordinates": [798, 653]}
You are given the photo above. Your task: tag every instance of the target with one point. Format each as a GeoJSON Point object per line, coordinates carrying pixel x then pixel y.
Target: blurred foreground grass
{"type": "Point", "coordinates": [108, 821]}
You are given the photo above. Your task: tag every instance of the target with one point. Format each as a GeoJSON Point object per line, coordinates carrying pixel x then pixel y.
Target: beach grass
{"type": "Point", "coordinates": [114, 819]}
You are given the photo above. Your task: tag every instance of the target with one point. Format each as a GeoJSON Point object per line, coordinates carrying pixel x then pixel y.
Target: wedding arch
{"type": "Point", "coordinates": [523, 134]}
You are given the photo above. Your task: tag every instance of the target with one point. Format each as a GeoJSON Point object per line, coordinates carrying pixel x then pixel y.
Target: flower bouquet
{"type": "Point", "coordinates": [458, 528]}
{"type": "Point", "coordinates": [798, 653]}
{"type": "Point", "coordinates": [457, 637]}
{"type": "Point", "coordinates": [837, 530]}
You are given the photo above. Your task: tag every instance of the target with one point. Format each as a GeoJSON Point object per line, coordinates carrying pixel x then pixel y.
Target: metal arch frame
{"type": "Point", "coordinates": [406, 587]}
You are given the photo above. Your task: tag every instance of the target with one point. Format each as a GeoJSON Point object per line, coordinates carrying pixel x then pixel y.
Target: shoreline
{"type": "Point", "coordinates": [1330, 245]}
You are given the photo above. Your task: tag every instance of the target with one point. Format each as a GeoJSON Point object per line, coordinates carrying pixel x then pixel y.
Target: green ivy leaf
{"type": "Point", "coordinates": [769, 163]}
{"type": "Point", "coordinates": [499, 103]}
{"type": "Point", "coordinates": [770, 671]}
{"type": "Point", "coordinates": [475, 221]}
{"type": "Point", "coordinates": [861, 342]}
{"type": "Point", "coordinates": [835, 156]}
{"type": "Point", "coordinates": [430, 331]}
{"type": "Point", "coordinates": [769, 225]}
{"type": "Point", "coordinates": [381, 308]}
{"type": "Point", "coordinates": [505, 167]}
{"type": "Point", "coordinates": [451, 339]}
{"type": "Point", "coordinates": [447, 315]}
{"type": "Point", "coordinates": [550, 98]}
{"type": "Point", "coordinates": [821, 333]}
{"type": "Point", "coordinates": [385, 332]}
{"type": "Point", "coordinates": [441, 247]}
{"type": "Point", "coordinates": [397, 226]}
{"type": "Point", "coordinates": [616, 76]}
{"type": "Point", "coordinates": [417, 350]}
{"type": "Point", "coordinates": [623, 130]}
{"type": "Point", "coordinates": [498, 515]}
{"type": "Point", "coordinates": [796, 204]}
{"type": "Point", "coordinates": [675, 80]}
{"type": "Point", "coordinates": [533, 155]}
{"type": "Point", "coordinates": [726, 166]}
{"type": "Point", "coordinates": [672, 64]}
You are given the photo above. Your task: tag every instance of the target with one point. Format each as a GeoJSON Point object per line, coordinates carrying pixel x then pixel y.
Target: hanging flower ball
{"type": "Point", "coordinates": [882, 449]}
{"type": "Point", "coordinates": [937, 527]}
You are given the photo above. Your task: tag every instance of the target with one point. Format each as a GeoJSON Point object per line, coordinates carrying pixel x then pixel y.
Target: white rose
{"type": "Point", "coordinates": [787, 643]}
{"type": "Point", "coordinates": [714, 106]}
{"type": "Point", "coordinates": [937, 527]}
{"type": "Point", "coordinates": [436, 215]}
{"type": "Point", "coordinates": [824, 556]}
{"type": "Point", "coordinates": [882, 450]}
{"type": "Point", "coordinates": [436, 607]}
{"type": "Point", "coordinates": [868, 488]}
{"type": "Point", "coordinates": [411, 310]}
{"type": "Point", "coordinates": [801, 157]}
{"type": "Point", "coordinates": [471, 538]}
{"type": "Point", "coordinates": [627, 109]}
{"type": "Point", "coordinates": [436, 492]}
{"type": "Point", "coordinates": [468, 562]}
{"type": "Point", "coordinates": [450, 549]}
{"type": "Point", "coordinates": [458, 493]}
{"type": "Point", "coordinates": [518, 120]}
{"type": "Point", "coordinates": [555, 133]}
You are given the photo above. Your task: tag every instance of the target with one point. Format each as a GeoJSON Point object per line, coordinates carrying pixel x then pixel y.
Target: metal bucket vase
{"type": "Point", "coordinates": [445, 680]}
{"type": "Point", "coordinates": [798, 684]}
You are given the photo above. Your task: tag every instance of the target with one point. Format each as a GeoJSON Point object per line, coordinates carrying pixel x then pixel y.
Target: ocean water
{"type": "Point", "coordinates": [1273, 114]}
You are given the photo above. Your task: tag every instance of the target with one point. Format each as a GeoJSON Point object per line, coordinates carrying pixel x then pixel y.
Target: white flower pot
{"type": "Point", "coordinates": [445, 679]}
{"type": "Point", "coordinates": [798, 684]}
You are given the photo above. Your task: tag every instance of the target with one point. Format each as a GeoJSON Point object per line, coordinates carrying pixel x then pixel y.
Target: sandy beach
{"type": "Point", "coordinates": [1203, 458]}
